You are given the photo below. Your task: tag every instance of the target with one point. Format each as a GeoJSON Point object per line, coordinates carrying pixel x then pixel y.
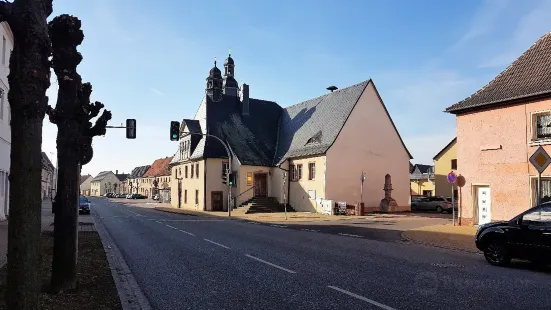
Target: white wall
{"type": "Point", "coordinates": [6, 45]}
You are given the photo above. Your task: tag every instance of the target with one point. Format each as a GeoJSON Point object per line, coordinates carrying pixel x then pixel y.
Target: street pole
{"type": "Point", "coordinates": [538, 199]}
{"type": "Point", "coordinates": [453, 207]}
{"type": "Point", "coordinates": [284, 195]}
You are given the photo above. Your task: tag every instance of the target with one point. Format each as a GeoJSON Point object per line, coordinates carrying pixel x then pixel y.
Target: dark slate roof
{"type": "Point", "coordinates": [83, 178]}
{"type": "Point", "coordinates": [192, 125]}
{"type": "Point", "coordinates": [101, 176]}
{"type": "Point", "coordinates": [319, 119]}
{"type": "Point", "coordinates": [122, 177]}
{"type": "Point", "coordinates": [252, 138]}
{"type": "Point", "coordinates": [138, 171]}
{"type": "Point", "coordinates": [424, 168]}
{"type": "Point", "coordinates": [445, 148]}
{"type": "Point", "coordinates": [528, 77]}
{"type": "Point", "coordinates": [46, 163]}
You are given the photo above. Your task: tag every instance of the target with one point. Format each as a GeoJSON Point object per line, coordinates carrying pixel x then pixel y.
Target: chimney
{"type": "Point", "coordinates": [116, 171]}
{"type": "Point", "coordinates": [332, 88]}
{"type": "Point", "coordinates": [244, 94]}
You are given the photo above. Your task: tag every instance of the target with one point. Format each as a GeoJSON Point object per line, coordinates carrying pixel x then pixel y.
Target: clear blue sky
{"type": "Point", "coordinates": [148, 60]}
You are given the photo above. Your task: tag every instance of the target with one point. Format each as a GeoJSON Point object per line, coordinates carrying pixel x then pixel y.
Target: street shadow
{"type": "Point", "coordinates": [369, 233]}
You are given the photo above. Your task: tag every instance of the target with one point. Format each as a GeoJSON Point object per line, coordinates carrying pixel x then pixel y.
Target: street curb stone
{"type": "Point", "coordinates": [130, 293]}
{"type": "Point", "coordinates": [403, 235]}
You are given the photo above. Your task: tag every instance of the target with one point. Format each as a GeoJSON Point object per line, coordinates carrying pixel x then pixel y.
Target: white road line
{"type": "Point", "coordinates": [137, 214]}
{"type": "Point", "coordinates": [268, 263]}
{"type": "Point", "coordinates": [218, 244]}
{"type": "Point", "coordinates": [350, 235]}
{"type": "Point", "coordinates": [186, 232]}
{"type": "Point", "coordinates": [158, 222]}
{"type": "Point", "coordinates": [278, 225]}
{"type": "Point", "coordinates": [312, 230]}
{"type": "Point", "coordinates": [171, 226]}
{"type": "Point", "coordinates": [380, 305]}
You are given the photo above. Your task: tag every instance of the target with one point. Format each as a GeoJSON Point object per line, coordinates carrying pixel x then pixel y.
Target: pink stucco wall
{"type": "Point", "coordinates": [493, 148]}
{"type": "Point", "coordinates": [368, 142]}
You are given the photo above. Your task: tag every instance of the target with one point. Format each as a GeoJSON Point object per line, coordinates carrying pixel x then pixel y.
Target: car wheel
{"type": "Point", "coordinates": [439, 209]}
{"type": "Point", "coordinates": [496, 253]}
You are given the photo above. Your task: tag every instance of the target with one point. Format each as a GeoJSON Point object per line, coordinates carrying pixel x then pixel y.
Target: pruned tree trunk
{"type": "Point", "coordinates": [29, 79]}
{"type": "Point", "coordinates": [66, 35]}
{"type": "Point", "coordinates": [72, 115]}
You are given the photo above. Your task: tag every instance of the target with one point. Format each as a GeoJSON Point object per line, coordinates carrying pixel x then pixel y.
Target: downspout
{"type": "Point", "coordinates": [205, 183]}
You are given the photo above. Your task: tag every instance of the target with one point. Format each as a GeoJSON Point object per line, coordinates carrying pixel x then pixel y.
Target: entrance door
{"type": "Point", "coordinates": [217, 201]}
{"type": "Point", "coordinates": [261, 185]}
{"type": "Point", "coordinates": [484, 205]}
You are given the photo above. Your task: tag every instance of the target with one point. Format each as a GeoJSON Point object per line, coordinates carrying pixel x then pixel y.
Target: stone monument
{"type": "Point", "coordinates": [388, 204]}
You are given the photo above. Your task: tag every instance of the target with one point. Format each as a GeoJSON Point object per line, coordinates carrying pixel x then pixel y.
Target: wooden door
{"type": "Point", "coordinates": [261, 185]}
{"type": "Point", "coordinates": [217, 201]}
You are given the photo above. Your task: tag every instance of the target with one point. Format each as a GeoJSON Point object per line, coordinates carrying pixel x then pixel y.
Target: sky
{"type": "Point", "coordinates": [148, 60]}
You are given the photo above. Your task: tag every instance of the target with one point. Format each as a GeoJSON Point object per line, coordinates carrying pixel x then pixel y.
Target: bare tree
{"type": "Point", "coordinates": [72, 116]}
{"type": "Point", "coordinates": [29, 79]}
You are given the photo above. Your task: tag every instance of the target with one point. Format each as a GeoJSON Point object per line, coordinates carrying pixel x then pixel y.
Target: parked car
{"type": "Point", "coordinates": [527, 236]}
{"type": "Point", "coordinates": [83, 205]}
{"type": "Point", "coordinates": [435, 203]}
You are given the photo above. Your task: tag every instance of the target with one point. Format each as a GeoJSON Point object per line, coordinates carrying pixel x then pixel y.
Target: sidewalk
{"type": "Point", "coordinates": [86, 223]}
{"type": "Point", "coordinates": [445, 236]}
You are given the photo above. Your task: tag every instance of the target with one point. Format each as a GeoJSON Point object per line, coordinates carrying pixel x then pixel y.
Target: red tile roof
{"type": "Point", "coordinates": [158, 168]}
{"type": "Point", "coordinates": [526, 78]}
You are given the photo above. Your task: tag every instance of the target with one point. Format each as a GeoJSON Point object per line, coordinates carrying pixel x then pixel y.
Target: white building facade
{"type": "Point", "coordinates": [6, 46]}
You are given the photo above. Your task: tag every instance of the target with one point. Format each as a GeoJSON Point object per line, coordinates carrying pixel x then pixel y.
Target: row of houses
{"type": "Point", "coordinates": [148, 180]}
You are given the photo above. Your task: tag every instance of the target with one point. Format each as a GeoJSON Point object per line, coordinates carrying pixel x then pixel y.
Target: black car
{"type": "Point", "coordinates": [527, 236]}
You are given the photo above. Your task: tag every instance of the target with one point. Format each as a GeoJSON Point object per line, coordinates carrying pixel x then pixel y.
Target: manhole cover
{"type": "Point", "coordinates": [447, 265]}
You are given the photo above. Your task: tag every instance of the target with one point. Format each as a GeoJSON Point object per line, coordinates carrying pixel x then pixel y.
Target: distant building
{"type": "Point", "coordinates": [444, 163]}
{"type": "Point", "coordinates": [156, 180]}
{"type": "Point", "coordinates": [121, 187]}
{"type": "Point", "coordinates": [5, 118]}
{"type": "Point", "coordinates": [308, 155]}
{"type": "Point", "coordinates": [105, 182]}
{"type": "Point", "coordinates": [422, 180]}
{"type": "Point", "coordinates": [85, 184]}
{"type": "Point", "coordinates": [134, 180]}
{"type": "Point", "coordinates": [48, 172]}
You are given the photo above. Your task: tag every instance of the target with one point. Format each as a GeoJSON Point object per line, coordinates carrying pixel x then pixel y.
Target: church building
{"type": "Point", "coordinates": [307, 155]}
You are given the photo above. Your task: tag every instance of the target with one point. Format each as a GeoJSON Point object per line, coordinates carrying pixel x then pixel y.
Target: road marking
{"type": "Point", "coordinates": [218, 244]}
{"type": "Point", "coordinates": [171, 226]}
{"type": "Point", "coordinates": [268, 263]}
{"type": "Point", "coordinates": [312, 230]}
{"type": "Point", "coordinates": [350, 235]}
{"type": "Point", "coordinates": [185, 232]}
{"type": "Point", "coordinates": [159, 222]}
{"type": "Point", "coordinates": [380, 305]}
{"type": "Point", "coordinates": [273, 225]}
{"type": "Point", "coordinates": [137, 214]}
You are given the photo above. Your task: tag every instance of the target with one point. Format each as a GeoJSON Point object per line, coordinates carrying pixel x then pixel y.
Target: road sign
{"type": "Point", "coordinates": [452, 178]}
{"type": "Point", "coordinates": [540, 159]}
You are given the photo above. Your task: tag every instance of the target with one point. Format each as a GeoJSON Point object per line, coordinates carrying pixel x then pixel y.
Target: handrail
{"type": "Point", "coordinates": [235, 198]}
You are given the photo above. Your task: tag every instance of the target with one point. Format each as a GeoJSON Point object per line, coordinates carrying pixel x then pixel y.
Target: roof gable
{"type": "Point", "coordinates": [447, 147]}
{"type": "Point", "coordinates": [122, 177]}
{"type": "Point", "coordinates": [46, 163]}
{"type": "Point", "coordinates": [422, 169]}
{"type": "Point", "coordinates": [158, 168]}
{"type": "Point", "coordinates": [139, 171]}
{"type": "Point", "coordinates": [83, 178]}
{"type": "Point", "coordinates": [102, 175]}
{"type": "Point", "coordinates": [529, 76]}
{"type": "Point", "coordinates": [310, 127]}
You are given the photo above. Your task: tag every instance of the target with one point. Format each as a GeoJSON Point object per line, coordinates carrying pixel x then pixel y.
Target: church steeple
{"type": "Point", "coordinates": [214, 83]}
{"type": "Point", "coordinates": [231, 87]}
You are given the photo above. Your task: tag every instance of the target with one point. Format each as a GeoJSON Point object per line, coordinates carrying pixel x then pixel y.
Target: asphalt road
{"type": "Point", "coordinates": [191, 262]}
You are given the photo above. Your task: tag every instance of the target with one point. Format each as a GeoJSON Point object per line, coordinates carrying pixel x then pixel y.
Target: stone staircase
{"type": "Point", "coordinates": [262, 205]}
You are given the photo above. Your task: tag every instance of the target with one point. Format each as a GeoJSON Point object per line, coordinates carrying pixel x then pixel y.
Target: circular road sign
{"type": "Point", "coordinates": [452, 178]}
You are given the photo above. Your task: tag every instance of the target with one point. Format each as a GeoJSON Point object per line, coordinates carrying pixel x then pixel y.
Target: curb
{"type": "Point", "coordinates": [403, 235]}
{"type": "Point", "coordinates": [130, 293]}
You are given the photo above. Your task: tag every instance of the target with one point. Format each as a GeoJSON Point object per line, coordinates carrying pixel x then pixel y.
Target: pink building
{"type": "Point", "coordinates": [498, 128]}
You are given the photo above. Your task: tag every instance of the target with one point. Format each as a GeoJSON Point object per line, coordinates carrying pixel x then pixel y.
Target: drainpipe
{"type": "Point", "coordinates": [288, 184]}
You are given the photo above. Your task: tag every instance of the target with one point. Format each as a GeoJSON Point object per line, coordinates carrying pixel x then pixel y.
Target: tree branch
{"type": "Point", "coordinates": [99, 128]}
{"type": "Point", "coordinates": [94, 109]}
{"type": "Point", "coordinates": [52, 114]}
{"type": "Point", "coordinates": [5, 11]}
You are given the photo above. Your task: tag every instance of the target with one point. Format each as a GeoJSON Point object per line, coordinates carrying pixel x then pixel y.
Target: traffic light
{"type": "Point", "coordinates": [225, 178]}
{"type": "Point", "coordinates": [174, 130]}
{"type": "Point", "coordinates": [130, 128]}
{"type": "Point", "coordinates": [231, 179]}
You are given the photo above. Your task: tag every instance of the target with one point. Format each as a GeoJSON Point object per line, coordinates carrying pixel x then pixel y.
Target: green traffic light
{"type": "Point", "coordinates": [174, 136]}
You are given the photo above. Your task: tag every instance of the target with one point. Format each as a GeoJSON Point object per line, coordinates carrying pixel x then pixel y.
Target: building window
{"type": "Point", "coordinates": [192, 171]}
{"type": "Point", "coordinates": [293, 172]}
{"type": "Point", "coordinates": [196, 196]}
{"type": "Point", "coordinates": [197, 170]}
{"type": "Point", "coordinates": [185, 196]}
{"type": "Point", "coordinates": [543, 126]}
{"type": "Point", "coordinates": [299, 171]}
{"type": "Point", "coordinates": [249, 179]}
{"type": "Point", "coordinates": [185, 172]}
{"type": "Point", "coordinates": [3, 50]}
{"type": "Point", "coordinates": [427, 193]}
{"type": "Point", "coordinates": [179, 172]}
{"type": "Point", "coordinates": [311, 171]}
{"type": "Point", "coordinates": [454, 164]}
{"type": "Point", "coordinates": [225, 167]}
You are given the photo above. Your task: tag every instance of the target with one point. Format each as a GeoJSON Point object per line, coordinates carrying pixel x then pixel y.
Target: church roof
{"type": "Point", "coordinates": [310, 127]}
